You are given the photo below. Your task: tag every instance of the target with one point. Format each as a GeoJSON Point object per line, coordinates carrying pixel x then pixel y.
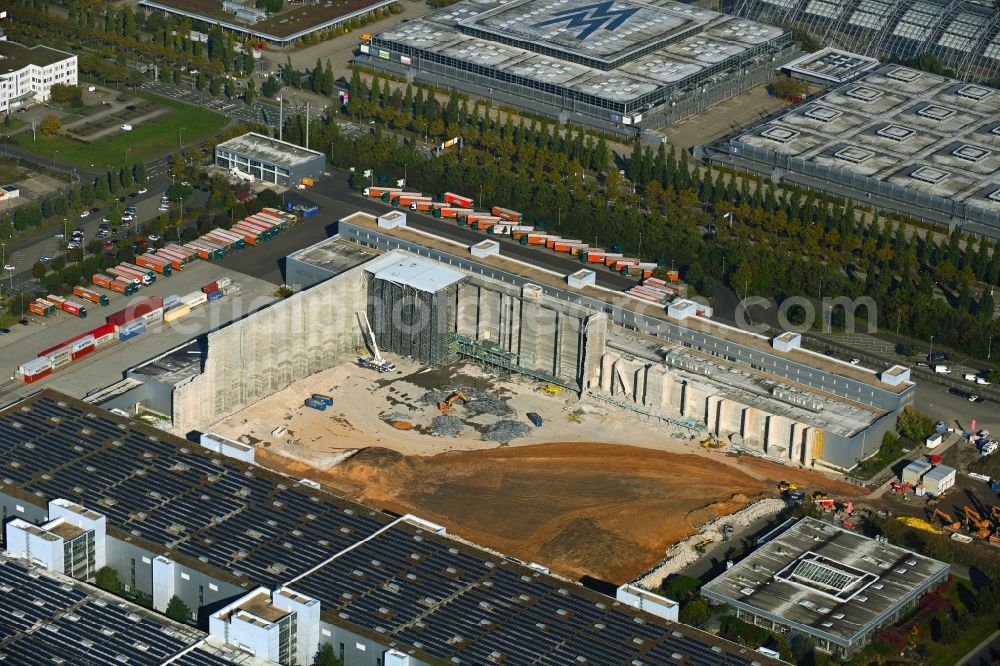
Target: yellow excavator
{"type": "Point", "coordinates": [949, 523]}
{"type": "Point", "coordinates": [785, 486]}
{"type": "Point", "coordinates": [446, 404]}
{"type": "Point", "coordinates": [551, 389]}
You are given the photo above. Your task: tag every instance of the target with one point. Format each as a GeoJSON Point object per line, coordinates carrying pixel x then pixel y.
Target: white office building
{"type": "Point", "coordinates": [27, 74]}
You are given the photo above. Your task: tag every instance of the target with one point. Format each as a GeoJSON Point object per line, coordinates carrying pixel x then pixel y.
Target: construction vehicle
{"type": "Point", "coordinates": [820, 495]}
{"type": "Point", "coordinates": [795, 496]}
{"type": "Point", "coordinates": [446, 404]}
{"type": "Point", "coordinates": [375, 361]}
{"type": "Point", "coordinates": [701, 545]}
{"type": "Point", "coordinates": [785, 486]}
{"type": "Point", "coordinates": [949, 523]}
{"type": "Point", "coordinates": [551, 389]}
{"type": "Point", "coordinates": [976, 524]}
{"type": "Point", "coordinates": [535, 419]}
{"type": "Point", "coordinates": [933, 501]}
{"type": "Point", "coordinates": [995, 514]}
{"type": "Point", "coordinates": [574, 417]}
{"type": "Point", "coordinates": [727, 532]}
{"type": "Point", "coordinates": [711, 442]}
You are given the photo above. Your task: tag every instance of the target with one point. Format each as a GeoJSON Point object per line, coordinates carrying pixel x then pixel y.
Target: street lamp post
{"type": "Point", "coordinates": [930, 354]}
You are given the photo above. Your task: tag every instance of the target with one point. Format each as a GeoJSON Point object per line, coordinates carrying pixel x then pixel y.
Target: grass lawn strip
{"type": "Point", "coordinates": [973, 632]}
{"type": "Point", "coordinates": [145, 142]}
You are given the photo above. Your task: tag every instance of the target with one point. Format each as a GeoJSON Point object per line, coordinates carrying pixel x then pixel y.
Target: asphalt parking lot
{"type": "Point", "coordinates": [107, 365]}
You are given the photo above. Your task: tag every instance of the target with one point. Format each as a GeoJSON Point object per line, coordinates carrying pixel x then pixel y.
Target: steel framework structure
{"type": "Point", "coordinates": [963, 35]}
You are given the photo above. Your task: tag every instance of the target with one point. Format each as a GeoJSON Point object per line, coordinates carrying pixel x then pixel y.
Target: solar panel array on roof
{"type": "Point", "coordinates": [450, 602]}
{"type": "Point", "coordinates": [456, 603]}
{"type": "Point", "coordinates": [45, 619]}
{"type": "Point", "coordinates": [176, 494]}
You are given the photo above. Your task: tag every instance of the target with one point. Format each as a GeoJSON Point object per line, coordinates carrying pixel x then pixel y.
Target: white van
{"type": "Point", "coordinates": [969, 377]}
{"type": "Point", "coordinates": [92, 89]}
{"type": "Point", "coordinates": [126, 127]}
{"type": "Point", "coordinates": [942, 369]}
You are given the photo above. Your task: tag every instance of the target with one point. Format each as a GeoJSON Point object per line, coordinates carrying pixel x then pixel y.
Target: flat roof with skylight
{"type": "Point", "coordinates": [920, 131]}
{"type": "Point", "coordinates": [622, 55]}
{"type": "Point", "coordinates": [822, 580]}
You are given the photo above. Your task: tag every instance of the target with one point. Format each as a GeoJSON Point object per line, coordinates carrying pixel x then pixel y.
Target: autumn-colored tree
{"type": "Point", "coordinates": [51, 125]}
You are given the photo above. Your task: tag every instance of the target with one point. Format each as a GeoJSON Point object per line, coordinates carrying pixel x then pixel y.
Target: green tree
{"type": "Point", "coordinates": [913, 425]}
{"type": "Point", "coordinates": [250, 93]}
{"type": "Point", "coordinates": [215, 86]}
{"type": "Point", "coordinates": [101, 190]}
{"type": "Point", "coordinates": [178, 610]}
{"type": "Point", "coordinates": [270, 87]}
{"type": "Point", "coordinates": [326, 656]}
{"type": "Point", "coordinates": [949, 631]}
{"type": "Point", "coordinates": [695, 612]}
{"type": "Point", "coordinates": [140, 173]}
{"type": "Point", "coordinates": [106, 578]}
{"type": "Point", "coordinates": [87, 194]}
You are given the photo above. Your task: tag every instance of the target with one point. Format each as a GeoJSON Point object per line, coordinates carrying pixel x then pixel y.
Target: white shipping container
{"type": "Point", "coordinates": [153, 317]}
{"type": "Point", "coordinates": [223, 282]}
{"type": "Point", "coordinates": [194, 299]}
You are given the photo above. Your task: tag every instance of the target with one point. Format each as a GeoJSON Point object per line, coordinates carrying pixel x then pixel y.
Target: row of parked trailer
{"type": "Point", "coordinates": [505, 222]}
{"type": "Point", "coordinates": [127, 278]}
{"type": "Point", "coordinates": [660, 291]}
{"type": "Point", "coordinates": [125, 324]}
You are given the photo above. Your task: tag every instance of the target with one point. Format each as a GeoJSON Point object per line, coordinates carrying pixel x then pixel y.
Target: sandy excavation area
{"type": "Point", "coordinates": [596, 491]}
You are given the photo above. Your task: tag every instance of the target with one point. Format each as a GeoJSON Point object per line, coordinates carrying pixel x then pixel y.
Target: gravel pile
{"type": "Point", "coordinates": [389, 417]}
{"type": "Point", "coordinates": [477, 401]}
{"type": "Point", "coordinates": [506, 430]}
{"type": "Point", "coordinates": [446, 426]}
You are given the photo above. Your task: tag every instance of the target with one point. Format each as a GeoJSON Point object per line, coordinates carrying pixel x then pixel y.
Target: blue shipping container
{"type": "Point", "coordinates": [325, 399]}
{"type": "Point", "coordinates": [122, 335]}
{"type": "Point", "coordinates": [309, 212]}
{"type": "Point", "coordinates": [170, 301]}
{"type": "Point", "coordinates": [316, 404]}
{"type": "Point", "coordinates": [214, 295]}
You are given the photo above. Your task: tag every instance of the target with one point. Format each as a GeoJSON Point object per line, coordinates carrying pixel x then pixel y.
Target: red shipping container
{"type": "Point", "coordinates": [211, 286]}
{"type": "Point", "coordinates": [82, 351]}
{"type": "Point", "coordinates": [135, 311]}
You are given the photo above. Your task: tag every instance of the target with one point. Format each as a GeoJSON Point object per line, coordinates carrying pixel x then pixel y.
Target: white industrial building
{"type": "Point", "coordinates": [28, 74]}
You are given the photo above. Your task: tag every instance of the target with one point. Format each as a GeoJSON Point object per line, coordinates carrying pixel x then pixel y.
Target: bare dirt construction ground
{"type": "Point", "coordinates": [571, 495]}
{"type": "Point", "coordinates": [608, 511]}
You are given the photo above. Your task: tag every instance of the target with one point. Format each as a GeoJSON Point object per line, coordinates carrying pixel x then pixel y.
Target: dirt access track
{"type": "Point", "coordinates": [607, 511]}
